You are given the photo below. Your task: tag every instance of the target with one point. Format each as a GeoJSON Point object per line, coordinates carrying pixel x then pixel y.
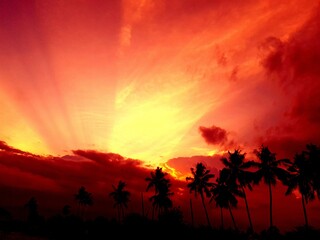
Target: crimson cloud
{"type": "Point", "coordinates": [294, 64]}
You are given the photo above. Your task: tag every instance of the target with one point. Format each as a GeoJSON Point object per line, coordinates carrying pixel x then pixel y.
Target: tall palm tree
{"type": "Point", "coordinates": [157, 179]}
{"type": "Point", "coordinates": [224, 193]}
{"type": "Point", "coordinates": [191, 212]}
{"type": "Point", "coordinates": [199, 184]}
{"type": "Point", "coordinates": [161, 185]}
{"type": "Point", "coordinates": [121, 198]}
{"type": "Point", "coordinates": [270, 171]}
{"type": "Point", "coordinates": [142, 205]}
{"type": "Point", "coordinates": [161, 200]}
{"type": "Point", "coordinates": [32, 207]}
{"type": "Point", "coordinates": [66, 210]}
{"type": "Point", "coordinates": [239, 175]}
{"type": "Point", "coordinates": [301, 179]}
{"type": "Point", "coordinates": [312, 153]}
{"type": "Point", "coordinates": [84, 199]}
{"type": "Point", "coordinates": [216, 189]}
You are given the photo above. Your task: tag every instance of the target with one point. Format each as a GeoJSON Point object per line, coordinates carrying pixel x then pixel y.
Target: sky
{"type": "Point", "coordinates": [92, 92]}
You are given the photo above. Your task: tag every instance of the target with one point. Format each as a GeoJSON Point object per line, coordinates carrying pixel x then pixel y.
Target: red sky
{"type": "Point", "coordinates": [165, 82]}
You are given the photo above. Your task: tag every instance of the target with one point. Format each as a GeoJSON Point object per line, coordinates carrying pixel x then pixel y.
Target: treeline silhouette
{"type": "Point", "coordinates": [238, 176]}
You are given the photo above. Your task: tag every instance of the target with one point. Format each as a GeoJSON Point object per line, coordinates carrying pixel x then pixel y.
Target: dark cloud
{"type": "Point", "coordinates": [283, 146]}
{"type": "Point", "coordinates": [273, 61]}
{"type": "Point", "coordinates": [58, 178]}
{"type": "Point", "coordinates": [87, 167]}
{"type": "Point", "coordinates": [295, 65]}
{"type": "Point", "coordinates": [298, 58]}
{"type": "Point", "coordinates": [306, 105]}
{"type": "Point", "coordinates": [4, 147]}
{"type": "Point", "coordinates": [213, 135]}
{"type": "Point", "coordinates": [99, 157]}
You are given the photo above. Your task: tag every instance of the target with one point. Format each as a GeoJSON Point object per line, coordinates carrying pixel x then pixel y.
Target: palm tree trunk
{"type": "Point", "coordinates": [152, 212]}
{"type": "Point", "coordinates": [118, 208]}
{"type": "Point", "coordinates": [247, 207]}
{"type": "Point", "coordinates": [205, 210]}
{"type": "Point", "coordinates": [79, 210]}
{"type": "Point", "coordinates": [147, 212]}
{"type": "Point", "coordinates": [191, 210]}
{"type": "Point", "coordinates": [142, 204]}
{"type": "Point", "coordinates": [234, 222]}
{"type": "Point", "coordinates": [270, 194]}
{"type": "Point", "coordinates": [159, 211]}
{"type": "Point", "coordinates": [304, 210]}
{"type": "Point", "coordinates": [221, 215]}
{"type": "Point", "coordinates": [122, 212]}
{"type": "Point", "coordinates": [83, 212]}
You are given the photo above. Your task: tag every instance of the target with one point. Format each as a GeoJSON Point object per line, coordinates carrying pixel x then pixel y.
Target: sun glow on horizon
{"type": "Point", "coordinates": [134, 77]}
{"type": "Point", "coordinates": [101, 93]}
{"type": "Point", "coordinates": [151, 120]}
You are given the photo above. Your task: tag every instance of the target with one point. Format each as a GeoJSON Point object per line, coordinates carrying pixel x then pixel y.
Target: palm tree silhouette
{"type": "Point", "coordinates": [66, 210]}
{"type": "Point", "coordinates": [32, 207]}
{"type": "Point", "coordinates": [224, 194]}
{"type": "Point", "coordinates": [161, 199]}
{"type": "Point", "coordinates": [142, 205]}
{"type": "Point", "coordinates": [301, 178]}
{"type": "Point", "coordinates": [159, 183]}
{"type": "Point", "coordinates": [305, 176]}
{"type": "Point", "coordinates": [121, 198]}
{"type": "Point", "coordinates": [216, 189]}
{"type": "Point", "coordinates": [157, 179]}
{"type": "Point", "coordinates": [84, 199]}
{"type": "Point", "coordinates": [312, 153]}
{"type": "Point", "coordinates": [191, 212]}
{"type": "Point", "coordinates": [200, 184]}
{"type": "Point", "coordinates": [238, 174]}
{"type": "Point", "coordinates": [269, 170]}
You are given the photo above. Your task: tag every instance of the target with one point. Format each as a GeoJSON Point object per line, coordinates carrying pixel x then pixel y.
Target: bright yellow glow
{"type": "Point", "coordinates": [18, 132]}
{"type": "Point", "coordinates": [138, 80]}
{"type": "Point", "coordinates": [150, 122]}
{"type": "Point", "coordinates": [172, 171]}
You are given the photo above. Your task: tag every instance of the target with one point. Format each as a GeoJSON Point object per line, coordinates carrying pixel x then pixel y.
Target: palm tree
{"type": "Point", "coordinates": [200, 184]}
{"type": "Point", "coordinates": [215, 190]}
{"type": "Point", "coordinates": [66, 210]}
{"type": "Point", "coordinates": [225, 194]}
{"type": "Point", "coordinates": [84, 199]}
{"type": "Point", "coordinates": [191, 212]}
{"type": "Point", "coordinates": [121, 198]}
{"type": "Point", "coordinates": [157, 179]}
{"type": "Point", "coordinates": [239, 175]}
{"type": "Point", "coordinates": [142, 205]}
{"type": "Point", "coordinates": [159, 183]}
{"type": "Point", "coordinates": [301, 178]}
{"type": "Point", "coordinates": [269, 170]}
{"type": "Point", "coordinates": [312, 153]}
{"type": "Point", "coordinates": [161, 199]}
{"type": "Point", "coordinates": [32, 207]}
